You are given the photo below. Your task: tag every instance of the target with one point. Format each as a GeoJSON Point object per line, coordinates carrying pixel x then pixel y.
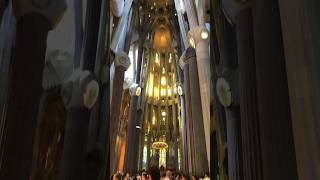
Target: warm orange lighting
{"type": "Point", "coordinates": [162, 39]}
{"type": "Point", "coordinates": [122, 154]}
{"type": "Point", "coordinates": [157, 59]}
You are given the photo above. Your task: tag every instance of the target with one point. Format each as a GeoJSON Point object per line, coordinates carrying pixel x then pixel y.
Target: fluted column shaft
{"type": "Point", "coordinates": [24, 95]}
{"type": "Point", "coordinates": [132, 132]}
{"type": "Point", "coordinates": [199, 146]}
{"type": "Point", "coordinates": [122, 62]}
{"type": "Point", "coordinates": [75, 146]}
{"type": "Point", "coordinates": [79, 94]}
{"type": "Point", "coordinates": [302, 52]}
{"type": "Point", "coordinates": [276, 138]}
{"type": "Point", "coordinates": [188, 119]}
{"type": "Point", "coordinates": [252, 167]}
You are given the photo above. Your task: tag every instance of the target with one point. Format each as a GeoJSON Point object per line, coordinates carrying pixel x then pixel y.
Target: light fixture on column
{"type": "Point", "coordinates": [138, 91]}
{"type": "Point", "coordinates": [163, 113]}
{"type": "Point", "coordinates": [197, 34]}
{"type": "Point", "coordinates": [179, 89]}
{"type": "Point", "coordinates": [204, 34]}
{"type": "Point", "coordinates": [135, 90]}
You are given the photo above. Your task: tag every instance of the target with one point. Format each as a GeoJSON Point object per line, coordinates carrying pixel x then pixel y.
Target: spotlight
{"type": "Point", "coordinates": [204, 34]}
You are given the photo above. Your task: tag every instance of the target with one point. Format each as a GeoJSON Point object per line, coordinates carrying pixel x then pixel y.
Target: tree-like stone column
{"type": "Point", "coordinates": [199, 146]}
{"type": "Point", "coordinates": [79, 93]}
{"type": "Point", "coordinates": [198, 37]}
{"type": "Point", "coordinates": [34, 20]}
{"type": "Point", "coordinates": [189, 154]}
{"type": "Point", "coordinates": [122, 63]}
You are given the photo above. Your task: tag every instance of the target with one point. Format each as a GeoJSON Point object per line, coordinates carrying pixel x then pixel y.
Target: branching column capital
{"type": "Point", "coordinates": [198, 34]}
{"type": "Point", "coordinates": [53, 10]}
{"type": "Point", "coordinates": [81, 90]}
{"type": "Point", "coordinates": [122, 59]}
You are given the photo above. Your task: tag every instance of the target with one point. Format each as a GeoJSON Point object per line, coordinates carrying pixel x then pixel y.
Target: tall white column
{"type": "Point", "coordinates": [181, 23]}
{"type": "Point", "coordinates": [119, 35]}
{"type": "Point", "coordinates": [198, 37]}
{"type": "Point", "coordinates": [191, 13]}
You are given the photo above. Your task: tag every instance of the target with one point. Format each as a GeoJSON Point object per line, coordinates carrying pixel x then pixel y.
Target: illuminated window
{"type": "Point", "coordinates": [153, 120]}
{"type": "Point", "coordinates": [157, 59]}
{"type": "Point", "coordinates": [169, 92]}
{"type": "Point", "coordinates": [156, 93]}
{"type": "Point", "coordinates": [150, 85]}
{"type": "Point", "coordinates": [144, 158]}
{"type": "Point", "coordinates": [162, 157]}
{"type": "Point", "coordinates": [163, 81]}
{"type": "Point", "coordinates": [163, 92]}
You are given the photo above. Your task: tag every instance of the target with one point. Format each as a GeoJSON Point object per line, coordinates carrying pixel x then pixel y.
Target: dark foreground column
{"type": "Point", "coordinates": [302, 52]}
{"type": "Point", "coordinates": [122, 63]}
{"type": "Point", "coordinates": [24, 91]}
{"type": "Point", "coordinates": [276, 138]}
{"type": "Point", "coordinates": [252, 165]}
{"type": "Point", "coordinates": [184, 64]}
{"type": "Point", "coordinates": [24, 94]}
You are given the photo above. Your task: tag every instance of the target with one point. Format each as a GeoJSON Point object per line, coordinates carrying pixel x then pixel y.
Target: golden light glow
{"type": "Point", "coordinates": [174, 90]}
{"type": "Point", "coordinates": [169, 91]}
{"type": "Point", "coordinates": [162, 39]}
{"type": "Point", "coordinates": [163, 92]}
{"type": "Point", "coordinates": [150, 85]}
{"type": "Point", "coordinates": [163, 70]}
{"type": "Point", "coordinates": [159, 145]}
{"type": "Point", "coordinates": [163, 81]}
{"type": "Point", "coordinates": [156, 93]}
{"type": "Point", "coordinates": [153, 121]}
{"type": "Point", "coordinates": [163, 113]}
{"type": "Point", "coordinates": [191, 42]}
{"type": "Point", "coordinates": [157, 59]}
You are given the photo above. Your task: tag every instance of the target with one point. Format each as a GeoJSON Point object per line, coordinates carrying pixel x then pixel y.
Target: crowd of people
{"type": "Point", "coordinates": [156, 173]}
